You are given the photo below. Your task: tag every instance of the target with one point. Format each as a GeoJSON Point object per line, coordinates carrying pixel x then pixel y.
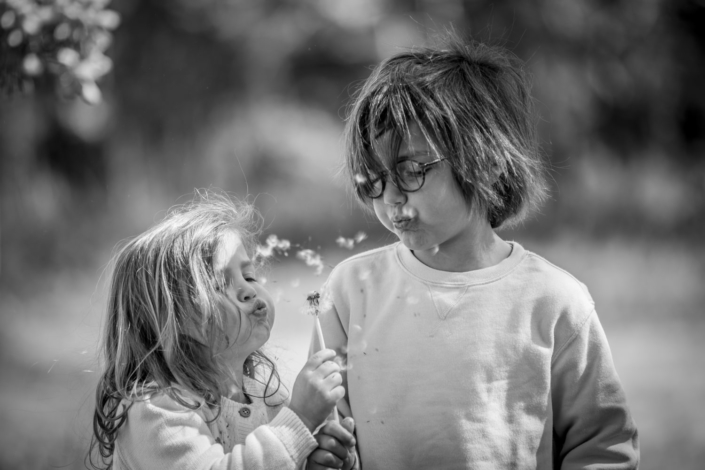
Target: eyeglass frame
{"type": "Point", "coordinates": [395, 177]}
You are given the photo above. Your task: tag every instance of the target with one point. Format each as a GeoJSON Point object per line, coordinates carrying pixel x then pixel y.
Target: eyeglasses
{"type": "Point", "coordinates": [409, 176]}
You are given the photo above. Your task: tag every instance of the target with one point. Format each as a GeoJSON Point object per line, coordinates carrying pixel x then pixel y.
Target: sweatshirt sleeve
{"type": "Point", "coordinates": [593, 427]}
{"type": "Point", "coordinates": [162, 434]}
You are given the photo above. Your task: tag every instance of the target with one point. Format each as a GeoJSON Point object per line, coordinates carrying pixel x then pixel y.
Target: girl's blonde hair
{"type": "Point", "coordinates": [472, 102]}
{"type": "Point", "coordinates": [165, 314]}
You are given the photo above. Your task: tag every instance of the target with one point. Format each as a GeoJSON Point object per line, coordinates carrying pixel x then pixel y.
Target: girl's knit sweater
{"type": "Point", "coordinates": [160, 433]}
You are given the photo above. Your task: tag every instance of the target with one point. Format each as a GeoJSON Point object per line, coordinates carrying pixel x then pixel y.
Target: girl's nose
{"type": "Point", "coordinates": [393, 195]}
{"type": "Point", "coordinates": [246, 292]}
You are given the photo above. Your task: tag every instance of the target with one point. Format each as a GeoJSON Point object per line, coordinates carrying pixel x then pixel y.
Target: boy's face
{"type": "Point", "coordinates": [250, 314]}
{"type": "Point", "coordinates": [434, 218]}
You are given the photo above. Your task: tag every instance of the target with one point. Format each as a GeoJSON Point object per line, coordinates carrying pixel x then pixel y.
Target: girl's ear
{"type": "Point", "coordinates": [496, 172]}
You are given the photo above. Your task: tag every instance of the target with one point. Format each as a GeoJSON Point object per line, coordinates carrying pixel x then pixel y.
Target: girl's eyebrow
{"type": "Point", "coordinates": [409, 155]}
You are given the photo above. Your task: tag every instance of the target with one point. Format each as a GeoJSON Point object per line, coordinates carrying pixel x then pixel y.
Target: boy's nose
{"type": "Point", "coordinates": [392, 195]}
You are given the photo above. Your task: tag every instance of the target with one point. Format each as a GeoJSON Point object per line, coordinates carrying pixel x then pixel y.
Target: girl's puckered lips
{"type": "Point", "coordinates": [259, 309]}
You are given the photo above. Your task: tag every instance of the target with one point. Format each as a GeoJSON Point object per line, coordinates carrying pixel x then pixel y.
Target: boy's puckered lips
{"type": "Point", "coordinates": [402, 223]}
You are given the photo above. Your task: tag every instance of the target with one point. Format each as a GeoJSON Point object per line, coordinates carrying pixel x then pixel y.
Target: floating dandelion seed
{"type": "Point", "coordinates": [359, 178]}
{"type": "Point", "coordinates": [349, 243]}
{"type": "Point", "coordinates": [343, 242]}
{"type": "Point", "coordinates": [273, 243]}
{"type": "Point", "coordinates": [295, 282]}
{"type": "Point", "coordinates": [278, 296]}
{"type": "Point", "coordinates": [311, 258]}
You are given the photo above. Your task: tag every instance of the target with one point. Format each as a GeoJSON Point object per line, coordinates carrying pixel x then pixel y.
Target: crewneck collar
{"type": "Point", "coordinates": [417, 269]}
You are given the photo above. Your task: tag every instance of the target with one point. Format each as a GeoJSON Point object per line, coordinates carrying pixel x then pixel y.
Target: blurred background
{"type": "Point", "coordinates": [251, 96]}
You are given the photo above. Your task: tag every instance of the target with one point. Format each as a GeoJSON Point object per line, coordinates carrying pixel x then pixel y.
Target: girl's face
{"type": "Point", "coordinates": [436, 218]}
{"type": "Point", "coordinates": [250, 315]}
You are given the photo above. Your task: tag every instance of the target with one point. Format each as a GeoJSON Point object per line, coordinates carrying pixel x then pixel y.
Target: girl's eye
{"type": "Point", "coordinates": [250, 278]}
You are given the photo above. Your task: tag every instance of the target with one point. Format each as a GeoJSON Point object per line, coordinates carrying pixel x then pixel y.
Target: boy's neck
{"type": "Point", "coordinates": [483, 250]}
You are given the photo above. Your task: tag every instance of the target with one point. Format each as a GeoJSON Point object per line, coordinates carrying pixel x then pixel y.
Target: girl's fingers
{"type": "Point", "coordinates": [337, 393]}
{"type": "Point", "coordinates": [327, 368]}
{"type": "Point", "coordinates": [335, 379]}
{"type": "Point", "coordinates": [324, 355]}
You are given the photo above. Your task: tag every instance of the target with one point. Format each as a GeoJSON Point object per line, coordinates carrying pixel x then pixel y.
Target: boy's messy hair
{"type": "Point", "coordinates": [166, 313]}
{"type": "Point", "coordinates": [472, 102]}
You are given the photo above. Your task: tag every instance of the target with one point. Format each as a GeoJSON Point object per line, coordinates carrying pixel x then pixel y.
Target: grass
{"type": "Point", "coordinates": [649, 297]}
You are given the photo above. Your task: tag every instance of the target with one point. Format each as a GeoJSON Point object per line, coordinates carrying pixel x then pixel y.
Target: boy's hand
{"type": "Point", "coordinates": [336, 446]}
{"type": "Point", "coordinates": [317, 389]}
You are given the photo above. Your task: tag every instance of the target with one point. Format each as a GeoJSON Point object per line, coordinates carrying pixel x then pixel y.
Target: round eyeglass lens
{"type": "Point", "coordinates": [410, 175]}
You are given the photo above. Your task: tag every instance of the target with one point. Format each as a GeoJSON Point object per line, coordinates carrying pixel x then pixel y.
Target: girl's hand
{"type": "Point", "coordinates": [317, 389]}
{"type": "Point", "coordinates": [336, 446]}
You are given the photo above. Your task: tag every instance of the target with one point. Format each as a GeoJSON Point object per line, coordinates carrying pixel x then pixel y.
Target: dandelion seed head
{"type": "Point", "coordinates": [325, 303]}
{"type": "Point", "coordinates": [313, 299]}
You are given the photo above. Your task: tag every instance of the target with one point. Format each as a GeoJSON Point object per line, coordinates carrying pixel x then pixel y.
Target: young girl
{"type": "Point", "coordinates": [464, 350]}
{"type": "Point", "coordinates": [186, 385]}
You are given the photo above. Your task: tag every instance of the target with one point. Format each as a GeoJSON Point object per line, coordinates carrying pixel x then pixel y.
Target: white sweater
{"type": "Point", "coordinates": [498, 368]}
{"type": "Point", "coordinates": [162, 434]}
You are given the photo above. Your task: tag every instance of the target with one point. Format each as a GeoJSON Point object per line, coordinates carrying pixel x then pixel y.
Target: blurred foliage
{"type": "Point", "coordinates": [55, 43]}
{"type": "Point", "coordinates": [250, 96]}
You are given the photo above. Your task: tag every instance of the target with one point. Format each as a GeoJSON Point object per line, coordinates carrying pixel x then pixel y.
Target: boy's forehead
{"type": "Point", "coordinates": [394, 143]}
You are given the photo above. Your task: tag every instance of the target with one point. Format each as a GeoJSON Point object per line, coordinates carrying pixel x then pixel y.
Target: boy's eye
{"type": "Point", "coordinates": [410, 174]}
